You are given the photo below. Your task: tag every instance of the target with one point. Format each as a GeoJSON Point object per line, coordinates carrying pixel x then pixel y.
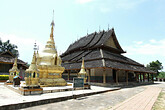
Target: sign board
{"type": "Point", "coordinates": [78, 82]}
{"type": "Point", "coordinates": [55, 74]}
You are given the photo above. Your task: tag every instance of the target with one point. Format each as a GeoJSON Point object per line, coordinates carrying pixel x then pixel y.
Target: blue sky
{"type": "Point", "coordinates": [139, 24]}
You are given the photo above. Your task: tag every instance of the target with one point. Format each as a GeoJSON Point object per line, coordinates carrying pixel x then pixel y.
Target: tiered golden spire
{"type": "Point", "coordinates": [83, 73]}
{"type": "Point", "coordinates": [15, 62]}
{"type": "Point", "coordinates": [33, 66]}
{"type": "Point", "coordinates": [50, 42]}
{"type": "Point", "coordinates": [14, 68]}
{"type": "Point", "coordinates": [82, 67]}
{"type": "Point", "coordinates": [52, 29]}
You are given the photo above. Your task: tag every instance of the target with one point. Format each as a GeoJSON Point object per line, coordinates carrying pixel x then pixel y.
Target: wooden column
{"type": "Point", "coordinates": [104, 76]}
{"type": "Point", "coordinates": [137, 77]}
{"type": "Point", "coordinates": [148, 77]}
{"type": "Point", "coordinates": [127, 77]}
{"type": "Point", "coordinates": [152, 77]}
{"type": "Point", "coordinates": [68, 75]}
{"type": "Point", "coordinates": [140, 77]}
{"type": "Point", "coordinates": [89, 73]}
{"type": "Point", "coordinates": [143, 77]}
{"type": "Point", "coordinates": [117, 77]}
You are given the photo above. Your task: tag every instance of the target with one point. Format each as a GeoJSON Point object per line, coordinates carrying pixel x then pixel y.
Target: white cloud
{"type": "Point", "coordinates": [138, 42]}
{"type": "Point", "coordinates": [128, 4]}
{"type": "Point", "coordinates": [153, 41]}
{"type": "Point", "coordinates": [83, 1]}
{"type": "Point", "coordinates": [147, 51]}
{"type": "Point", "coordinates": [152, 47]}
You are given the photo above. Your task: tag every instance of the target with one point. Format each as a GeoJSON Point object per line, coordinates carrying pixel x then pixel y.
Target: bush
{"type": "Point", "coordinates": [4, 77]}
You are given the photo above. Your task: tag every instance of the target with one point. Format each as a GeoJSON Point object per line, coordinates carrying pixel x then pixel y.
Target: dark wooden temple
{"type": "Point", "coordinates": [104, 61]}
{"type": "Point", "coordinates": [7, 61]}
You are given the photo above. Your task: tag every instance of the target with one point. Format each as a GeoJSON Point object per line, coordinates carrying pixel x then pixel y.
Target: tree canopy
{"type": "Point", "coordinates": [7, 46]}
{"type": "Point", "coordinates": [155, 66]}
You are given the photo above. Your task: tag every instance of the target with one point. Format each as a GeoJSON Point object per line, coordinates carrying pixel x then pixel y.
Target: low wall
{"type": "Point", "coordinates": [121, 84]}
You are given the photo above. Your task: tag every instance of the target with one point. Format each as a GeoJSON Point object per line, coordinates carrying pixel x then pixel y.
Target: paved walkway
{"type": "Point", "coordinates": [11, 99]}
{"type": "Point", "coordinates": [141, 101]}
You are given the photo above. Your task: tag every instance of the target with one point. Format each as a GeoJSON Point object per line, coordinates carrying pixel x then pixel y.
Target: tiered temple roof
{"type": "Point", "coordinates": [8, 58]}
{"type": "Point", "coordinates": [100, 50]}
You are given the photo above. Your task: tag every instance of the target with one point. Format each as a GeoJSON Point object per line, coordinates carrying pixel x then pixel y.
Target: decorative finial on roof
{"type": "Point", "coordinates": [87, 31]}
{"type": "Point", "coordinates": [108, 27]}
{"type": "Point", "coordinates": [99, 28]}
{"type": "Point", "coordinates": [113, 28]}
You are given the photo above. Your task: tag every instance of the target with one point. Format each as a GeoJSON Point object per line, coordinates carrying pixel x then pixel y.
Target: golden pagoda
{"type": "Point", "coordinates": [14, 71]}
{"type": "Point", "coordinates": [32, 73]}
{"type": "Point", "coordinates": [49, 64]}
{"type": "Point", "coordinates": [83, 73]}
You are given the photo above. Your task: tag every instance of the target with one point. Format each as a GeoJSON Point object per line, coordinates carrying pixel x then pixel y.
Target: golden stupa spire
{"type": "Point", "coordinates": [50, 42]}
{"type": "Point", "coordinates": [82, 67]}
{"type": "Point", "coordinates": [15, 62]}
{"type": "Point", "coordinates": [83, 73]}
{"type": "Point", "coordinates": [33, 66]}
{"type": "Point", "coordinates": [34, 58]}
{"type": "Point", "coordinates": [14, 68]}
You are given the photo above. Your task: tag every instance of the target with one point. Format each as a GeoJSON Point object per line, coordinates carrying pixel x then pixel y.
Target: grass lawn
{"type": "Point", "coordinates": [160, 102]}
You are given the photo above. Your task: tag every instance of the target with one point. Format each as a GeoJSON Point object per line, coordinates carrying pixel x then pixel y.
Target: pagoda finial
{"type": "Point", "coordinates": [87, 31]}
{"type": "Point", "coordinates": [52, 29]}
{"type": "Point", "coordinates": [14, 68]}
{"type": "Point", "coordinates": [52, 23]}
{"type": "Point", "coordinates": [35, 46]}
{"type": "Point", "coordinates": [34, 58]}
{"type": "Point", "coordinates": [83, 73]}
{"type": "Point", "coordinates": [82, 66]}
{"type": "Point", "coordinates": [15, 62]}
{"type": "Point", "coordinates": [53, 14]}
{"type": "Point", "coordinates": [108, 27]}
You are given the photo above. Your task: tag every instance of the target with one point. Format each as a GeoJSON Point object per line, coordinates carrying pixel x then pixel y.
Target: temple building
{"type": "Point", "coordinates": [7, 61]}
{"type": "Point", "coordinates": [104, 60]}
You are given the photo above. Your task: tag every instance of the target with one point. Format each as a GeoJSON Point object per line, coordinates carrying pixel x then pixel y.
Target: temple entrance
{"type": "Point", "coordinates": [114, 75]}
{"type": "Point", "coordinates": [131, 77]}
{"type": "Point", "coordinates": [34, 74]}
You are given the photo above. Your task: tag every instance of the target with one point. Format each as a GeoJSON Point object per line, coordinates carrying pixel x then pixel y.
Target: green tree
{"type": "Point", "coordinates": [155, 66]}
{"type": "Point", "coordinates": [161, 74]}
{"type": "Point", "coordinates": [7, 46]}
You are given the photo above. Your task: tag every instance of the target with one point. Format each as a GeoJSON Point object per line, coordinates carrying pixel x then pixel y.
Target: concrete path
{"type": "Point", "coordinates": [141, 101]}
{"type": "Point", "coordinates": [140, 98]}
{"type": "Point", "coordinates": [12, 100]}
